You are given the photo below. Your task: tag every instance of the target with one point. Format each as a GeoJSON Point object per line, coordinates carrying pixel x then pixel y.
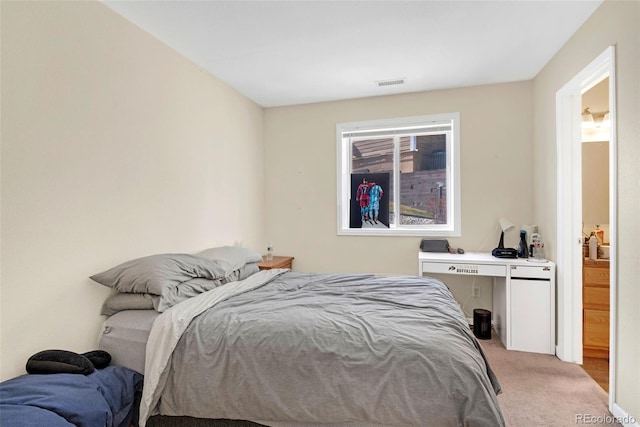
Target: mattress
{"type": "Point", "coordinates": [124, 335]}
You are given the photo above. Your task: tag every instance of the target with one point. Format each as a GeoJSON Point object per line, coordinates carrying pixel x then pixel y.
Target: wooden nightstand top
{"type": "Point", "coordinates": [276, 262]}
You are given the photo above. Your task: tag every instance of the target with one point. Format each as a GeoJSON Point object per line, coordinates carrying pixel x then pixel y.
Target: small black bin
{"type": "Point", "coordinates": [482, 324]}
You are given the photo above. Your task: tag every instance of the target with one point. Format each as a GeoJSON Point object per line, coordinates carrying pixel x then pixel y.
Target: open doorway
{"type": "Point", "coordinates": [596, 232]}
{"type": "Point", "coordinates": [570, 258]}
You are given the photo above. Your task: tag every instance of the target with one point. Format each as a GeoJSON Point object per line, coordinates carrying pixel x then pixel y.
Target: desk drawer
{"type": "Point", "coordinates": [531, 272]}
{"type": "Point", "coordinates": [464, 269]}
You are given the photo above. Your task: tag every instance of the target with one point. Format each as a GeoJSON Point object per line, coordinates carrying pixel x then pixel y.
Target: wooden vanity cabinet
{"type": "Point", "coordinates": [595, 304]}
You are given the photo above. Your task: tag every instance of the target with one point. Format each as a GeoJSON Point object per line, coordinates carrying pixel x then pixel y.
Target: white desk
{"type": "Point", "coordinates": [523, 295]}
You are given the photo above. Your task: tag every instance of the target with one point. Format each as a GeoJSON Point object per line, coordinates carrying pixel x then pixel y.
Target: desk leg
{"type": "Point", "coordinates": [500, 308]}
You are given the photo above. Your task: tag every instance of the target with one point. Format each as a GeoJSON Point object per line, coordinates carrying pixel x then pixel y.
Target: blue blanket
{"type": "Point", "coordinates": [102, 398]}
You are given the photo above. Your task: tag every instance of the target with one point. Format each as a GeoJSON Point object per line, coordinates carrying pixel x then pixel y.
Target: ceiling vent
{"type": "Point", "coordinates": [391, 82]}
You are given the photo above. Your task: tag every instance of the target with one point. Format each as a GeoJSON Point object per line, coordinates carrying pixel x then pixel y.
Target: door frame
{"type": "Point", "coordinates": [569, 210]}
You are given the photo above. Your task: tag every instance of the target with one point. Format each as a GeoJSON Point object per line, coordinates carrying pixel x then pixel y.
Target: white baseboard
{"type": "Point", "coordinates": [623, 417]}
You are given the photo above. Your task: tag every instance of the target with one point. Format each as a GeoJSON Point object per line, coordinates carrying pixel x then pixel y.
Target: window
{"type": "Point", "coordinates": [399, 176]}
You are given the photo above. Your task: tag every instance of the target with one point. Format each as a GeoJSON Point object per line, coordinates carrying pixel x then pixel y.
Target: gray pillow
{"type": "Point", "coordinates": [234, 257]}
{"type": "Point", "coordinates": [247, 270]}
{"type": "Point", "coordinates": [132, 301]}
{"type": "Point", "coordinates": [120, 302]}
{"type": "Point", "coordinates": [158, 274]}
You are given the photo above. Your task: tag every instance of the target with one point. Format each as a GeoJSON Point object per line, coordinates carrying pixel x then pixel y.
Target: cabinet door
{"type": "Point", "coordinates": [595, 298]}
{"type": "Point", "coordinates": [530, 303]}
{"type": "Point", "coordinates": [596, 329]}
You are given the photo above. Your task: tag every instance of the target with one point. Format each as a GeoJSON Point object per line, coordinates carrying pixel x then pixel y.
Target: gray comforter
{"type": "Point", "coordinates": [321, 348]}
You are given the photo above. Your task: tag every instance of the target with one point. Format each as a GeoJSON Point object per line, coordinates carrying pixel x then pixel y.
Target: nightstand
{"type": "Point", "coordinates": [276, 262]}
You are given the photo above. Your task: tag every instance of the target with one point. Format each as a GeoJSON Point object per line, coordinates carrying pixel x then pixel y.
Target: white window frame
{"type": "Point", "coordinates": [343, 148]}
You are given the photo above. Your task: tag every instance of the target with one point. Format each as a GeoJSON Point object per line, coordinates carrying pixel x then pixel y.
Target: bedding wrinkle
{"type": "Point", "coordinates": [167, 331]}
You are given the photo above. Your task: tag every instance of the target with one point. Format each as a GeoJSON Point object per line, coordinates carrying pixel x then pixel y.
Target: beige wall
{"type": "Point", "coordinates": [113, 147]}
{"type": "Point", "coordinates": [595, 186]}
{"type": "Point", "coordinates": [496, 179]}
{"type": "Point", "coordinates": [614, 23]}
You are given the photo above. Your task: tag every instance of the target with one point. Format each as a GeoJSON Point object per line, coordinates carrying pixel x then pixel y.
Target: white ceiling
{"type": "Point", "coordinates": [295, 52]}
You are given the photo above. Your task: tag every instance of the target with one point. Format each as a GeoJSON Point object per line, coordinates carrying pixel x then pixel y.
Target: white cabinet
{"type": "Point", "coordinates": [530, 316]}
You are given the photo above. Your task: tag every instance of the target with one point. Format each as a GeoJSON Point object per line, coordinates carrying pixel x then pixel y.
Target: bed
{"type": "Point", "coordinates": [103, 398]}
{"type": "Point", "coordinates": [284, 348]}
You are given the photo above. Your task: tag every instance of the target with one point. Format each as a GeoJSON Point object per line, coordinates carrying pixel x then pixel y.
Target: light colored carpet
{"type": "Point", "coordinates": [542, 390]}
